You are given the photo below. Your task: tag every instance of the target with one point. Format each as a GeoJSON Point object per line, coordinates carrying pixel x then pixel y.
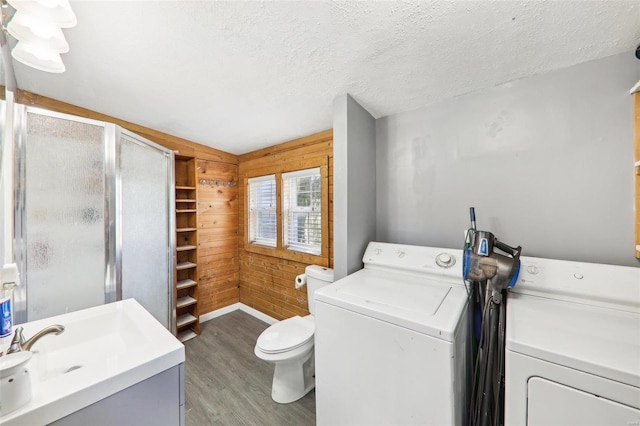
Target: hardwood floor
{"type": "Point", "coordinates": [226, 384]}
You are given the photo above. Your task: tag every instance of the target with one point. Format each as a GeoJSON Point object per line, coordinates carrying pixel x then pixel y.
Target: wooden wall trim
{"type": "Point", "coordinates": [175, 143]}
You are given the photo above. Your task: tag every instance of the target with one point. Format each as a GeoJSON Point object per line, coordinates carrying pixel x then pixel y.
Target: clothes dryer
{"type": "Point", "coordinates": [573, 345]}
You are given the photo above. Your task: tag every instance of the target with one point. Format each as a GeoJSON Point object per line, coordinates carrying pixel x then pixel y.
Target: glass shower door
{"type": "Point", "coordinates": [65, 220]}
{"type": "Point", "coordinates": [146, 245]}
{"type": "Point", "coordinates": [94, 218]}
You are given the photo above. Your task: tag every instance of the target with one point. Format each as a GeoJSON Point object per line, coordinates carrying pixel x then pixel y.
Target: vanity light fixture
{"type": "Point", "coordinates": [37, 25]}
{"type": "Point", "coordinates": [57, 12]}
{"type": "Point", "coordinates": [34, 31]}
{"type": "Point", "coordinates": [38, 57]}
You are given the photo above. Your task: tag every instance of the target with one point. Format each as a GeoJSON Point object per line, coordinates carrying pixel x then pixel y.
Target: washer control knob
{"type": "Point", "coordinates": [377, 251]}
{"type": "Point", "coordinates": [400, 254]}
{"type": "Point", "coordinates": [445, 260]}
{"type": "Point", "coordinates": [578, 276]}
{"type": "Point", "coordinates": [532, 269]}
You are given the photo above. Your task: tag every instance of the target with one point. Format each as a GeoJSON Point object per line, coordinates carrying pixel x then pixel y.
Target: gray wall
{"type": "Point", "coordinates": [354, 179]}
{"type": "Point", "coordinates": [547, 162]}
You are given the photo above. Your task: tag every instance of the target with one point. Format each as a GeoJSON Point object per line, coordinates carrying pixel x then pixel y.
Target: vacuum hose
{"type": "Point", "coordinates": [488, 275]}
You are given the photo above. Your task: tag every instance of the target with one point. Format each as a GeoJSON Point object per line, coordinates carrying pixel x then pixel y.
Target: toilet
{"type": "Point", "coordinates": [289, 345]}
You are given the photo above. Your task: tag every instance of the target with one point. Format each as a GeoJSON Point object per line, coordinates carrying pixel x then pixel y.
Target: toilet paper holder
{"type": "Point", "coordinates": [300, 281]}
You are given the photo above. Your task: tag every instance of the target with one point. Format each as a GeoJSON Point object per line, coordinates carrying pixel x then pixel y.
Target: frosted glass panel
{"type": "Point", "coordinates": [3, 186]}
{"type": "Point", "coordinates": [64, 216]}
{"type": "Point", "coordinates": [145, 228]}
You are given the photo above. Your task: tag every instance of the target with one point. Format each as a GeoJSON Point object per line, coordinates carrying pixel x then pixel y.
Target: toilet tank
{"type": "Point", "coordinates": [317, 277]}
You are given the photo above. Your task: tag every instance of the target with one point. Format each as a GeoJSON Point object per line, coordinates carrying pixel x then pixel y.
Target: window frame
{"type": "Point", "coordinates": [286, 223]}
{"type": "Point", "coordinates": [280, 251]}
{"type": "Point", "coordinates": [261, 241]}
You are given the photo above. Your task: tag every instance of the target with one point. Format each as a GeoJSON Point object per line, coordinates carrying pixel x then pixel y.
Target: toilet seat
{"type": "Point", "coordinates": [286, 335]}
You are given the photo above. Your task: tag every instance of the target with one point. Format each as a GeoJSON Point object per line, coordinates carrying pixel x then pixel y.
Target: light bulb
{"type": "Point", "coordinates": [38, 57]}
{"type": "Point", "coordinates": [35, 31]}
{"type": "Point", "coordinates": [57, 12]}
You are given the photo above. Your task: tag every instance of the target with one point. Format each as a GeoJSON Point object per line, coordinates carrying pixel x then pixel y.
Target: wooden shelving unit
{"type": "Point", "coordinates": [186, 290]}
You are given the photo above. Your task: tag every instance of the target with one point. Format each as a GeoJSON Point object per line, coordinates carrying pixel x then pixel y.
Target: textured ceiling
{"type": "Point", "coordinates": [239, 76]}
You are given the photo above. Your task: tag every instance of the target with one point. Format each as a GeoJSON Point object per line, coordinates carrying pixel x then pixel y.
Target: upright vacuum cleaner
{"type": "Point", "coordinates": [489, 274]}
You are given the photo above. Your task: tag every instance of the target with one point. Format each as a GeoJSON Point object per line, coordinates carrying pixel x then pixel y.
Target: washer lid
{"type": "Point", "coordinates": [286, 335]}
{"type": "Point", "coordinates": [416, 302]}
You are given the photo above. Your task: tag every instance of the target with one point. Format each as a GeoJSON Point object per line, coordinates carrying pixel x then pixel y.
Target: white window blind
{"type": "Point", "coordinates": [262, 210]}
{"type": "Point", "coordinates": [302, 212]}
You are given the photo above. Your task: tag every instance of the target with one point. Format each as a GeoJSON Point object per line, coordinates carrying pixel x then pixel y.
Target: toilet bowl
{"type": "Point", "coordinates": [289, 345]}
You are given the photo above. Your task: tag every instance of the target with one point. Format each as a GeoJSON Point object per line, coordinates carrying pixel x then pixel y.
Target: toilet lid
{"type": "Point", "coordinates": [286, 335]}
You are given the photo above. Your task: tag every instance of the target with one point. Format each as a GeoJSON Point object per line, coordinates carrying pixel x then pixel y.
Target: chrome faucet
{"type": "Point", "coordinates": [19, 343]}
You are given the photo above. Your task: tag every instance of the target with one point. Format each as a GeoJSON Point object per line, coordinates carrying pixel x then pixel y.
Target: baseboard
{"type": "Point", "coordinates": [256, 313]}
{"type": "Point", "coordinates": [219, 312]}
{"type": "Point", "coordinates": [238, 306]}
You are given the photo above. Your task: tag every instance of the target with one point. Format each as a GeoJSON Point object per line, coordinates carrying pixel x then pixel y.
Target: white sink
{"type": "Point", "coordinates": [102, 351]}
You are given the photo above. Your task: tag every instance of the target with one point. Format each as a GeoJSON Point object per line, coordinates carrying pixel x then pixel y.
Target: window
{"type": "Point", "coordinates": [302, 213]}
{"type": "Point", "coordinates": [287, 212]}
{"type": "Point", "coordinates": [262, 210]}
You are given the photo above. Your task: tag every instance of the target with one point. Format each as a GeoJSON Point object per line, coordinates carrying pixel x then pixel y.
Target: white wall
{"type": "Point", "coordinates": [354, 183]}
{"type": "Point", "coordinates": [547, 162]}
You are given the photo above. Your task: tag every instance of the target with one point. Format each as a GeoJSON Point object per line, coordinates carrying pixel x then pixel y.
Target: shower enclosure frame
{"type": "Point", "coordinates": [112, 207]}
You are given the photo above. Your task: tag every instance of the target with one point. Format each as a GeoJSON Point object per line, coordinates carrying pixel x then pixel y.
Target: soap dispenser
{"type": "Point", "coordinates": [9, 278]}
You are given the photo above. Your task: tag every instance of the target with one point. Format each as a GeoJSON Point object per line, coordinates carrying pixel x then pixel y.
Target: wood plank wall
{"type": "Point", "coordinates": [218, 262]}
{"type": "Point", "coordinates": [266, 282]}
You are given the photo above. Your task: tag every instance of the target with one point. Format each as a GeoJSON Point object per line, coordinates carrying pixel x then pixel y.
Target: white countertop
{"type": "Point", "coordinates": [115, 345]}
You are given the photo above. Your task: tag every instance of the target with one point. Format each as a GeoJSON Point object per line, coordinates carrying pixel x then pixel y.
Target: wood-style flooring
{"type": "Point", "coordinates": [226, 384]}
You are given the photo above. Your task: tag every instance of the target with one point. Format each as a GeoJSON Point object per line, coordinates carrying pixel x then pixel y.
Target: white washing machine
{"type": "Point", "coordinates": [391, 340]}
{"type": "Point", "coordinates": [573, 345]}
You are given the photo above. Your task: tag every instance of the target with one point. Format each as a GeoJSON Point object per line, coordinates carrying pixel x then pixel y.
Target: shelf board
{"type": "Point", "coordinates": [185, 229]}
{"type": "Point", "coordinates": [182, 284]}
{"type": "Point", "coordinates": [185, 265]}
{"type": "Point", "coordinates": [185, 335]}
{"type": "Point", "coordinates": [185, 187]}
{"type": "Point", "coordinates": [185, 200]}
{"type": "Point", "coordinates": [186, 210]}
{"type": "Point", "coordinates": [185, 248]}
{"type": "Point", "coordinates": [185, 301]}
{"type": "Point", "coordinates": [185, 319]}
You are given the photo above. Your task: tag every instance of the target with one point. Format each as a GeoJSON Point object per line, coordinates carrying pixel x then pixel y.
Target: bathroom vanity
{"type": "Point", "coordinates": [113, 364]}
